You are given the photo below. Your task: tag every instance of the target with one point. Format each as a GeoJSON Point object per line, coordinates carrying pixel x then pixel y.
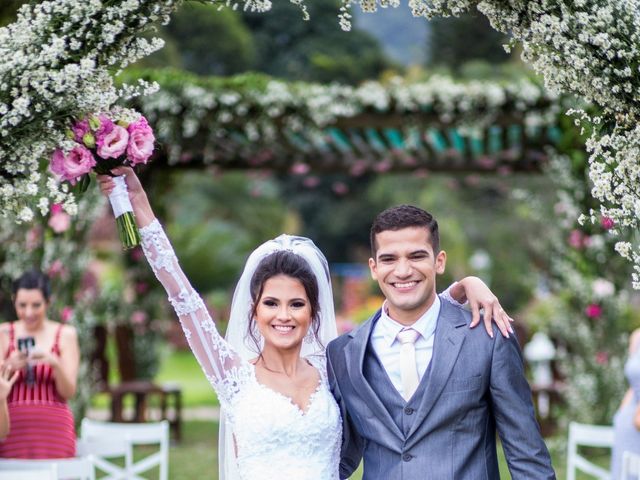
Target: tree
{"type": "Point", "coordinates": [8, 9]}
{"type": "Point", "coordinates": [457, 40]}
{"type": "Point", "coordinates": [206, 41]}
{"type": "Point", "coordinates": [316, 50]}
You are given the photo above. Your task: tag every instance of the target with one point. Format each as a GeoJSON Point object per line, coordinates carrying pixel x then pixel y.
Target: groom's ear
{"type": "Point", "coordinates": [441, 262]}
{"type": "Point", "coordinates": [373, 267]}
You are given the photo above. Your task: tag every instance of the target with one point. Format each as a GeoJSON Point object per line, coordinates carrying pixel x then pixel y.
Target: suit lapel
{"type": "Point", "coordinates": [449, 337]}
{"type": "Point", "coordinates": [354, 354]}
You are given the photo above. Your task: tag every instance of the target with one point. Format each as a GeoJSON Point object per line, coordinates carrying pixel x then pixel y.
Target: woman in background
{"type": "Point", "coordinates": [47, 356]}
{"type": "Point", "coordinates": [626, 422]}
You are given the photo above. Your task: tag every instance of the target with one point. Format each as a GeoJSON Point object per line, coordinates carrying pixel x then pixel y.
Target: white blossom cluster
{"type": "Point", "coordinates": [55, 63]}
{"type": "Point", "coordinates": [587, 47]}
{"type": "Point", "coordinates": [184, 109]}
{"type": "Point", "coordinates": [591, 346]}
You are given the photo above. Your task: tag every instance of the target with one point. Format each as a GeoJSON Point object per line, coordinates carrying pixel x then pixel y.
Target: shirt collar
{"type": "Point", "coordinates": [425, 326]}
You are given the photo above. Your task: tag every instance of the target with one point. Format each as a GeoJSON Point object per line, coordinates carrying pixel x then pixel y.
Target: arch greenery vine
{"type": "Point", "coordinates": [59, 58]}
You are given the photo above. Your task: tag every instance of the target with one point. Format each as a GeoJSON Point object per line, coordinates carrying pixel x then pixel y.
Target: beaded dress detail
{"type": "Point", "coordinates": [274, 438]}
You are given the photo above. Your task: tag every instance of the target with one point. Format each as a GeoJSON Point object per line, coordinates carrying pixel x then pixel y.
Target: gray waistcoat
{"type": "Point", "coordinates": [401, 411]}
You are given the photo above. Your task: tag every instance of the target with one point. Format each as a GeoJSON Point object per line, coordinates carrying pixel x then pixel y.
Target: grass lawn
{"type": "Point", "coordinates": [182, 368]}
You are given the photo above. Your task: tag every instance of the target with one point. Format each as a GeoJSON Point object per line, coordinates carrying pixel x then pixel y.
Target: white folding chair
{"type": "Point", "coordinates": [630, 466]}
{"type": "Point", "coordinates": [105, 451]}
{"type": "Point", "coordinates": [35, 473]}
{"type": "Point", "coordinates": [581, 434]}
{"type": "Point", "coordinates": [68, 468]}
{"type": "Point", "coordinates": [152, 433]}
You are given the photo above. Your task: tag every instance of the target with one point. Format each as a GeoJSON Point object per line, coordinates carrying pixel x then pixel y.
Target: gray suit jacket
{"type": "Point", "coordinates": [475, 385]}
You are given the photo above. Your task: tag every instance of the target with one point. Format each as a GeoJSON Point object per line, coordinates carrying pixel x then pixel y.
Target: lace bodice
{"type": "Point", "coordinates": [274, 438]}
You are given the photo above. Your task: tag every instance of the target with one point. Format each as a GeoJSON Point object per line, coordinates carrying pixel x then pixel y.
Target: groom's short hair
{"type": "Point", "coordinates": [404, 216]}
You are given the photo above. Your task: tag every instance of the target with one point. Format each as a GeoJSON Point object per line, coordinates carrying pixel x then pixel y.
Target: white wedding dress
{"type": "Point", "coordinates": [274, 438]}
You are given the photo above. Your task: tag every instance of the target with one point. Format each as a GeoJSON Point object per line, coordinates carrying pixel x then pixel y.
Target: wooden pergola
{"type": "Point", "coordinates": [481, 138]}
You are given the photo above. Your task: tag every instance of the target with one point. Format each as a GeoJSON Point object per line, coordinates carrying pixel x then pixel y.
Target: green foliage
{"type": "Point", "coordinates": [217, 220]}
{"type": "Point", "coordinates": [316, 50]}
{"type": "Point", "coordinates": [454, 41]}
{"type": "Point", "coordinates": [8, 9]}
{"type": "Point", "coordinates": [210, 41]}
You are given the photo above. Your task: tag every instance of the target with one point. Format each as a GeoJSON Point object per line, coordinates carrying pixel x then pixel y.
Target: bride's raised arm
{"type": "Point", "coordinates": [223, 367]}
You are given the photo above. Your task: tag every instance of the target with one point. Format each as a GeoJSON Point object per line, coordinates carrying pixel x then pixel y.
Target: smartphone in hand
{"type": "Point", "coordinates": [25, 345]}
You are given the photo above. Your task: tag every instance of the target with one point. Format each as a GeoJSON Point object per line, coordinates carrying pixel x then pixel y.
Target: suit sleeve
{"type": "Point", "coordinates": [352, 442]}
{"type": "Point", "coordinates": [526, 453]}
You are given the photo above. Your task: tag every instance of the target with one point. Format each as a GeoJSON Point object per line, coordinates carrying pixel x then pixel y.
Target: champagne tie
{"type": "Point", "coordinates": [408, 369]}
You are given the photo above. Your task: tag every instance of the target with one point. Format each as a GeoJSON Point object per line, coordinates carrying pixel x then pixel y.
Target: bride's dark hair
{"type": "Point", "coordinates": [283, 262]}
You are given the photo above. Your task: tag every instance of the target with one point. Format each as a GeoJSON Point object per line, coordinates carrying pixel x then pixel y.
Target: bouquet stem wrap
{"type": "Point", "coordinates": [123, 211]}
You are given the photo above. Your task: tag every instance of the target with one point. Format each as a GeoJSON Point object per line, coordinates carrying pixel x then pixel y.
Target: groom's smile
{"type": "Point", "coordinates": [405, 268]}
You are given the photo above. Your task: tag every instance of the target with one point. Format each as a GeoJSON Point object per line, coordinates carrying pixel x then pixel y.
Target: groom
{"type": "Point", "coordinates": [422, 395]}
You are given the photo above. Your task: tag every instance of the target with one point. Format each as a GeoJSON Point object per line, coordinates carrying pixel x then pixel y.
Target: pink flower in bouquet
{"type": "Point", "coordinates": [141, 141]}
{"type": "Point", "coordinates": [80, 129]}
{"type": "Point", "coordinates": [602, 358]}
{"type": "Point", "coordinates": [607, 223]}
{"type": "Point", "coordinates": [111, 139]}
{"type": "Point", "coordinates": [59, 221]}
{"type": "Point", "coordinates": [66, 314]}
{"type": "Point", "coordinates": [593, 310]}
{"type": "Point", "coordinates": [76, 163]}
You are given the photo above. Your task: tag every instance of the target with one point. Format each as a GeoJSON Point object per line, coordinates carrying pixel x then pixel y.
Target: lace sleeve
{"type": "Point", "coordinates": [446, 295]}
{"type": "Point", "coordinates": [223, 367]}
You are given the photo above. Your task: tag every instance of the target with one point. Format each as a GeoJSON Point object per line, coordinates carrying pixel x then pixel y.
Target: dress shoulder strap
{"type": "Point", "coordinates": [56, 341]}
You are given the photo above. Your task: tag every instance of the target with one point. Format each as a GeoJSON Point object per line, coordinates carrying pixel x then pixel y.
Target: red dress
{"type": "Point", "coordinates": [41, 422]}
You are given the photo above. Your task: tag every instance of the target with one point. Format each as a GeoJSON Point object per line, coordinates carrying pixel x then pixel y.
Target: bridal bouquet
{"type": "Point", "coordinates": [99, 143]}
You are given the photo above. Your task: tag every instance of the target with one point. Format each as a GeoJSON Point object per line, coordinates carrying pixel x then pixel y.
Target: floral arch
{"type": "Point", "coordinates": [59, 59]}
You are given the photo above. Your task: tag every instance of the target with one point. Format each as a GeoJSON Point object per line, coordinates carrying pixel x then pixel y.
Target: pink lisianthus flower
{"type": "Point", "coordinates": [114, 143]}
{"type": "Point", "coordinates": [59, 221]}
{"type": "Point", "coordinates": [578, 240]}
{"type": "Point", "coordinates": [80, 129]}
{"type": "Point", "coordinates": [66, 314]}
{"type": "Point", "coordinates": [56, 269]}
{"type": "Point", "coordinates": [76, 163]}
{"type": "Point", "coordinates": [593, 310]}
{"type": "Point", "coordinates": [607, 223]}
{"type": "Point", "coordinates": [602, 358]}
{"type": "Point", "coordinates": [141, 140]}
{"type": "Point", "coordinates": [300, 168]}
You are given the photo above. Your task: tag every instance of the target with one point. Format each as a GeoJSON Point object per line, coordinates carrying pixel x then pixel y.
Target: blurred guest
{"type": "Point", "coordinates": [626, 422]}
{"type": "Point", "coordinates": [46, 356]}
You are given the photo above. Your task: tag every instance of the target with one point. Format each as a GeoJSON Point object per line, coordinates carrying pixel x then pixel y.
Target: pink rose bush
{"type": "Point", "coordinates": [101, 144]}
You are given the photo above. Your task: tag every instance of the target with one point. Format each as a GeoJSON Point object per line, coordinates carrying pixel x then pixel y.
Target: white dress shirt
{"type": "Point", "coordinates": [387, 346]}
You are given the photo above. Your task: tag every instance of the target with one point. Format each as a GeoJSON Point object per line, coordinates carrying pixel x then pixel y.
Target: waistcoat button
{"type": "Point", "coordinates": [407, 457]}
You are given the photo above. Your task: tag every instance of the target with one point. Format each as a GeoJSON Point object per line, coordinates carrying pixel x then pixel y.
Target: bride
{"type": "Point", "coordinates": [280, 419]}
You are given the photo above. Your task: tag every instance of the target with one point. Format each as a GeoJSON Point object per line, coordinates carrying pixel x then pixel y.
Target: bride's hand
{"type": "Point", "coordinates": [134, 187]}
{"type": "Point", "coordinates": [143, 212]}
{"type": "Point", "coordinates": [480, 297]}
